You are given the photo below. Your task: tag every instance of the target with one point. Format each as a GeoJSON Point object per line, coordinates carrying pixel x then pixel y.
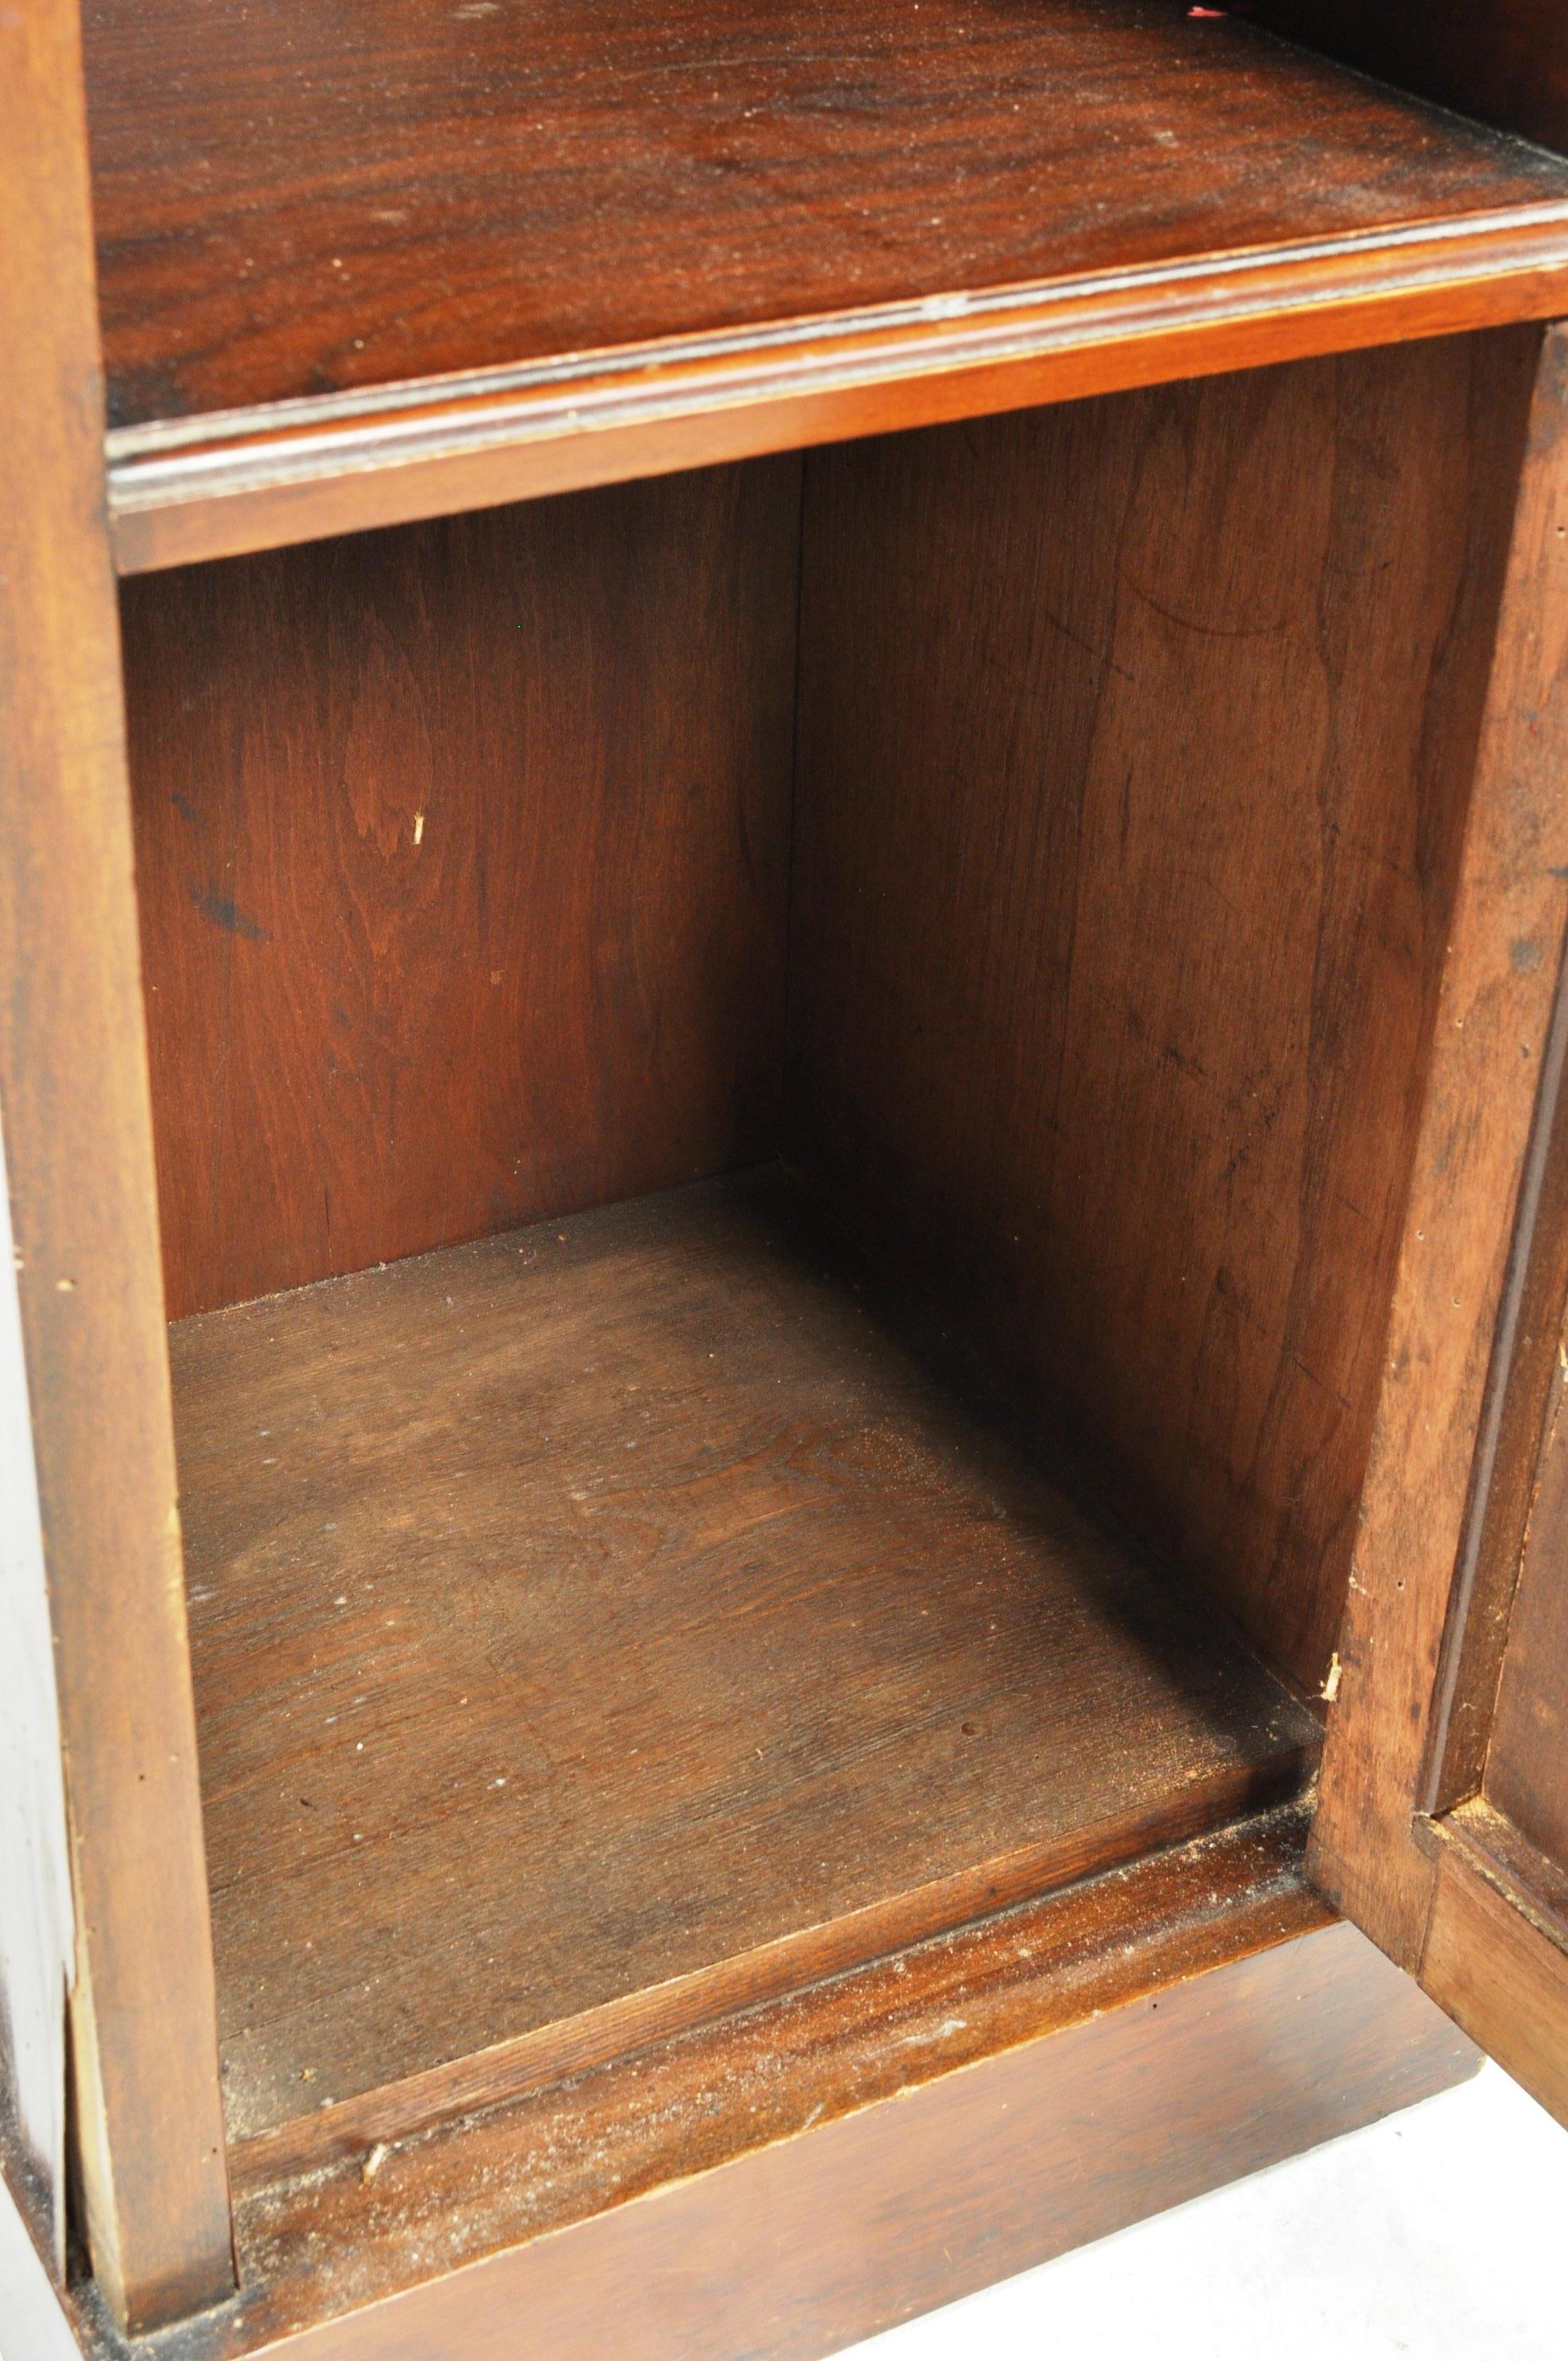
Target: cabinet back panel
{"type": "Point", "coordinates": [1135, 739]}
{"type": "Point", "coordinates": [1507, 62]}
{"type": "Point", "coordinates": [462, 856]}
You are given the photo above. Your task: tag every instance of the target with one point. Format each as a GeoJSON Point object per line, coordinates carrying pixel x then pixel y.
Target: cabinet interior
{"type": "Point", "coordinates": [782, 1101]}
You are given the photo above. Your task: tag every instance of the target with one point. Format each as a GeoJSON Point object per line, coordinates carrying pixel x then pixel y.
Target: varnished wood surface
{"type": "Point", "coordinates": [1136, 744]}
{"type": "Point", "coordinates": [300, 203]}
{"type": "Point", "coordinates": [259, 479]}
{"type": "Point", "coordinates": [1507, 62]}
{"type": "Point", "coordinates": [1479, 1833]}
{"type": "Point", "coordinates": [1499, 1974]}
{"type": "Point", "coordinates": [620, 1602]}
{"type": "Point", "coordinates": [842, 2159]}
{"type": "Point", "coordinates": [1527, 1759]}
{"type": "Point", "coordinates": [693, 2104]}
{"type": "Point", "coordinates": [1514, 1445]}
{"type": "Point", "coordinates": [1494, 1021]}
{"type": "Point", "coordinates": [461, 858]}
{"type": "Point", "coordinates": [696, 2097]}
{"type": "Point", "coordinates": [585, 253]}
{"type": "Point", "coordinates": [79, 1163]}
{"type": "Point", "coordinates": [978, 2175]}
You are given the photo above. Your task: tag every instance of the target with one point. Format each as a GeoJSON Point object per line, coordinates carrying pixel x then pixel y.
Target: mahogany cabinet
{"type": "Point", "coordinates": [781, 910]}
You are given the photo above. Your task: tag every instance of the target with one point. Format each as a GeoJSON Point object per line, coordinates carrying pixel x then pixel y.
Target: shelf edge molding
{"type": "Point", "coordinates": [183, 491]}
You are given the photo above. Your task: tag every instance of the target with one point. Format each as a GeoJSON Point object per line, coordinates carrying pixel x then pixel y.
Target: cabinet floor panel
{"type": "Point", "coordinates": [614, 1623]}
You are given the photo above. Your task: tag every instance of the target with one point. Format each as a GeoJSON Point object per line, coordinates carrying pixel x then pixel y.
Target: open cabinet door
{"type": "Point", "coordinates": [1443, 1826]}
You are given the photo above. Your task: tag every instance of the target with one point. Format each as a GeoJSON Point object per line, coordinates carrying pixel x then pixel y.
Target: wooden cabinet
{"type": "Point", "coordinates": [781, 910]}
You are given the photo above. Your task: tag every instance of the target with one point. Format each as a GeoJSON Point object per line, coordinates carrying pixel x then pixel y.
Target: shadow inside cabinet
{"type": "Point", "coordinates": [784, 1098]}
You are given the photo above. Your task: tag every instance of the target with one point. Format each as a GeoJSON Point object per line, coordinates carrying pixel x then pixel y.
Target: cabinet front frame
{"type": "Point", "coordinates": [148, 2136]}
{"type": "Point", "coordinates": [148, 2127]}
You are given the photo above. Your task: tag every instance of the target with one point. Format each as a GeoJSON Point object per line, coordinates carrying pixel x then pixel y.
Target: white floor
{"type": "Point", "coordinates": [1441, 2233]}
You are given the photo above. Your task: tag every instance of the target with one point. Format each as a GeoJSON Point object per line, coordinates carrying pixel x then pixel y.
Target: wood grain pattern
{"type": "Point", "coordinates": [603, 1605]}
{"type": "Point", "coordinates": [975, 2177]}
{"type": "Point", "coordinates": [1494, 1017]}
{"type": "Point", "coordinates": [1488, 1842]}
{"type": "Point", "coordinates": [881, 2031]}
{"type": "Point", "coordinates": [1515, 1438]}
{"type": "Point", "coordinates": [462, 860]}
{"type": "Point", "coordinates": [578, 2141]}
{"type": "Point", "coordinates": [1526, 1760]}
{"type": "Point", "coordinates": [1507, 62]}
{"type": "Point", "coordinates": [1135, 739]}
{"type": "Point", "coordinates": [78, 1150]}
{"type": "Point", "coordinates": [297, 204]}
{"type": "Point", "coordinates": [1500, 1977]}
{"type": "Point", "coordinates": [254, 480]}
{"type": "Point", "coordinates": [354, 274]}
{"type": "Point", "coordinates": [820, 2169]}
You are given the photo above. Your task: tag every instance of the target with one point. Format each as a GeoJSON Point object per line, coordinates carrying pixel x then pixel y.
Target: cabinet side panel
{"type": "Point", "coordinates": [74, 1093]}
{"type": "Point", "coordinates": [1507, 62]}
{"type": "Point", "coordinates": [1136, 742]}
{"type": "Point", "coordinates": [462, 858]}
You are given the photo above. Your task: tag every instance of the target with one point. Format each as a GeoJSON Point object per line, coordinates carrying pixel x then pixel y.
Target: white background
{"type": "Point", "coordinates": [1441, 2233]}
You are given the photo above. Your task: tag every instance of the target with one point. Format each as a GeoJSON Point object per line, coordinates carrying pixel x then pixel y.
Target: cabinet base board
{"type": "Point", "coordinates": [805, 2246]}
{"type": "Point", "coordinates": [1119, 2048]}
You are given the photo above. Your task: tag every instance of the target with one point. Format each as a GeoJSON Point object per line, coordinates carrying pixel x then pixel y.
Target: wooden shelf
{"type": "Point", "coordinates": [361, 267]}
{"type": "Point", "coordinates": [617, 1622]}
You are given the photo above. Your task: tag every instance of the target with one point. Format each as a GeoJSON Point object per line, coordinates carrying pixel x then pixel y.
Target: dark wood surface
{"type": "Point", "coordinates": [341, 463]}
{"type": "Point", "coordinates": [726, 229]}
{"type": "Point", "coordinates": [695, 2102]}
{"type": "Point", "coordinates": [1444, 1825]}
{"type": "Point", "coordinates": [73, 1080]}
{"type": "Point", "coordinates": [695, 2099]}
{"type": "Point", "coordinates": [1136, 744]}
{"type": "Point", "coordinates": [1496, 1952]}
{"type": "Point", "coordinates": [1449, 1345]}
{"type": "Point", "coordinates": [1507, 62]}
{"type": "Point", "coordinates": [815, 2170]}
{"type": "Point", "coordinates": [298, 202]}
{"type": "Point", "coordinates": [1516, 1866]}
{"type": "Point", "coordinates": [1514, 1445]}
{"type": "Point", "coordinates": [619, 1604]}
{"type": "Point", "coordinates": [1527, 1760]}
{"type": "Point", "coordinates": [1498, 1973]}
{"type": "Point", "coordinates": [148, 2131]}
{"type": "Point", "coordinates": [461, 858]}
